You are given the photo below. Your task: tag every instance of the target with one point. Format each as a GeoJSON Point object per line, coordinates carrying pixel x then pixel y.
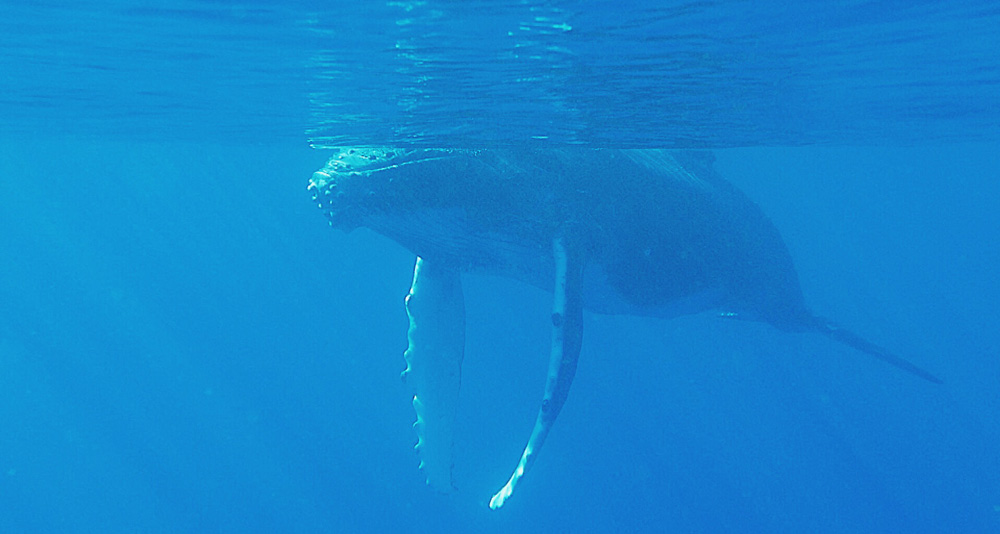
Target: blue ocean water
{"type": "Point", "coordinates": [185, 346]}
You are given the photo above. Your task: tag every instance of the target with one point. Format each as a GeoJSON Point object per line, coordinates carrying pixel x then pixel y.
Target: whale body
{"type": "Point", "coordinates": [640, 232]}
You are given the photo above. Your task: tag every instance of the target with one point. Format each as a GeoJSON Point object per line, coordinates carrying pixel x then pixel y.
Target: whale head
{"type": "Point", "coordinates": [359, 184]}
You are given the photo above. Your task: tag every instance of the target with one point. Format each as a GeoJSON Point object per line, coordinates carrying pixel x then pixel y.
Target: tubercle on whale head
{"type": "Point", "coordinates": [342, 190]}
{"type": "Point", "coordinates": [329, 196]}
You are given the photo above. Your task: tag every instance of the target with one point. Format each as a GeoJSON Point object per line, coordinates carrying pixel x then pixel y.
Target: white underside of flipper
{"type": "Point", "coordinates": [436, 309]}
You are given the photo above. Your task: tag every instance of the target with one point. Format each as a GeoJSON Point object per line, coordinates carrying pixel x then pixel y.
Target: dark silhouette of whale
{"type": "Point", "coordinates": [641, 232]}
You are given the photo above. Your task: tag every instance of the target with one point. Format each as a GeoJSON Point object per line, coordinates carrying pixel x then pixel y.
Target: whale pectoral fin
{"type": "Point", "coordinates": [433, 372]}
{"type": "Point", "coordinates": [567, 334]}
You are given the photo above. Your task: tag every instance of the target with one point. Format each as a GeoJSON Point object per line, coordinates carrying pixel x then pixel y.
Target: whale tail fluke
{"type": "Point", "coordinates": [851, 339]}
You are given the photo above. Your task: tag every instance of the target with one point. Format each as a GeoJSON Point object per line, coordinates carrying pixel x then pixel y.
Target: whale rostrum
{"type": "Point", "coordinates": [640, 232]}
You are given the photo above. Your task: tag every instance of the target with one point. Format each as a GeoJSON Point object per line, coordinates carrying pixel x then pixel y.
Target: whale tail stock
{"type": "Point", "coordinates": [851, 339]}
{"type": "Point", "coordinates": [804, 322]}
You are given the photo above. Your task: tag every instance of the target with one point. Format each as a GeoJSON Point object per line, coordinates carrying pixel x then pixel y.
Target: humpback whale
{"type": "Point", "coordinates": [641, 232]}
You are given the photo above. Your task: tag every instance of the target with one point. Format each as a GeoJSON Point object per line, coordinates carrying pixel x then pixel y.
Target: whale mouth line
{"type": "Point", "coordinates": [372, 170]}
{"type": "Point", "coordinates": [370, 161]}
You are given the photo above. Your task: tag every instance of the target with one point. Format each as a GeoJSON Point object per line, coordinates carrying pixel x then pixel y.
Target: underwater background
{"type": "Point", "coordinates": [186, 346]}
